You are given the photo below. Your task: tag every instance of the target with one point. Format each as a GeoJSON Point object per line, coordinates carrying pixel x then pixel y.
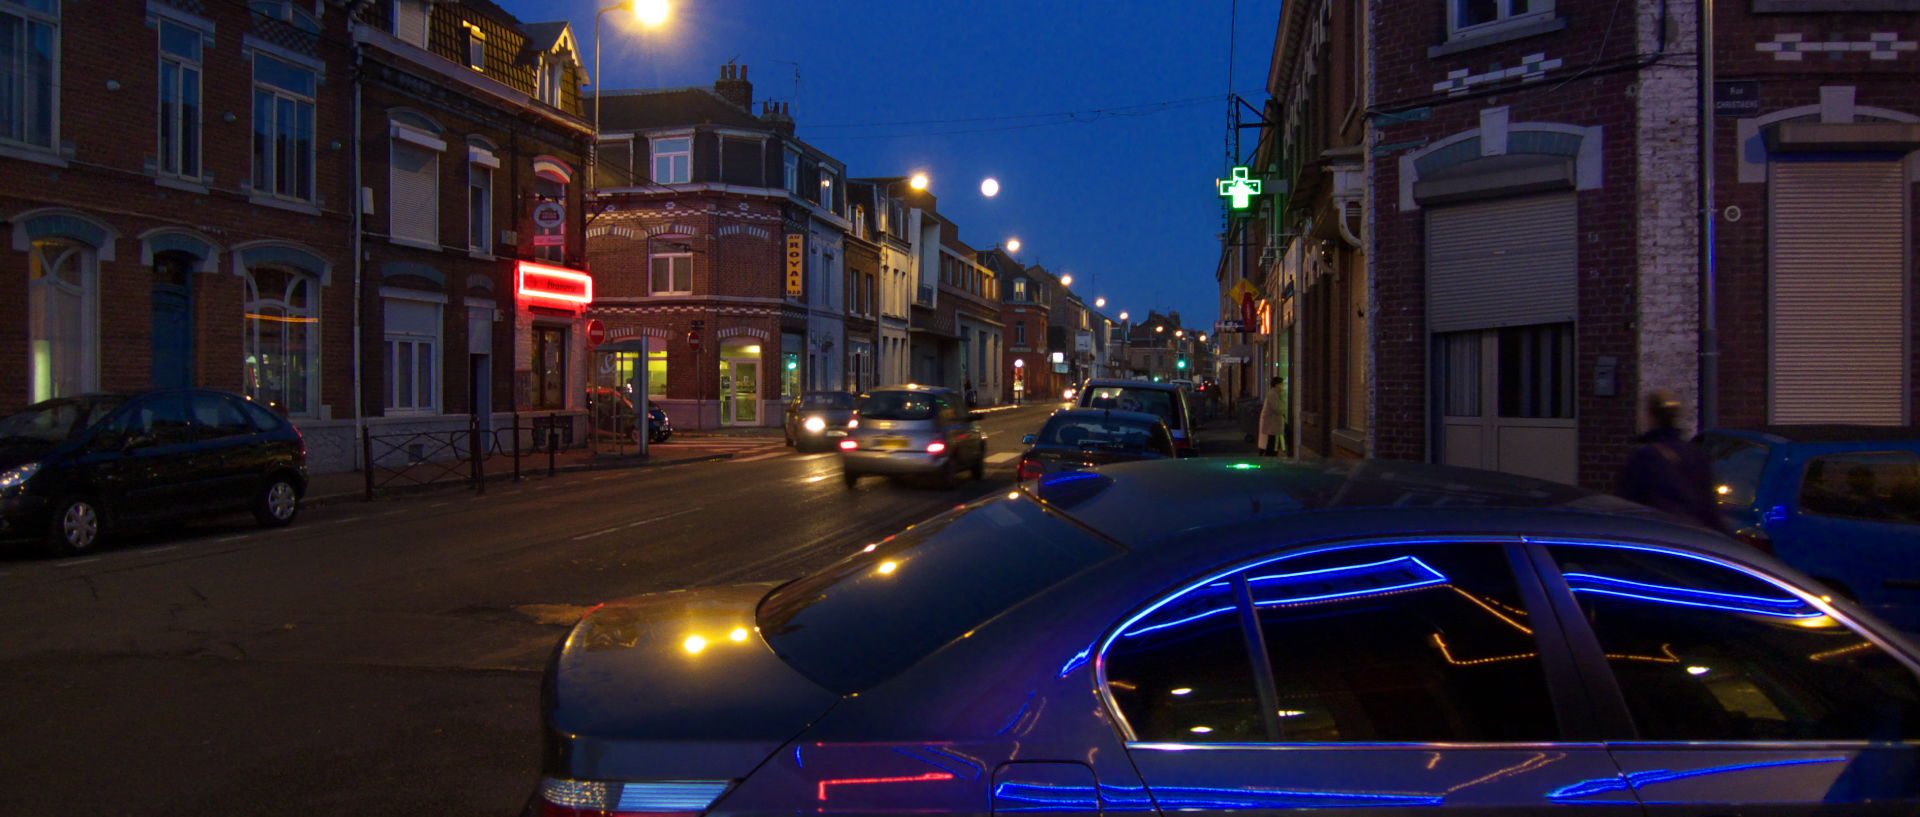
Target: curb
{"type": "Point", "coordinates": [359, 495]}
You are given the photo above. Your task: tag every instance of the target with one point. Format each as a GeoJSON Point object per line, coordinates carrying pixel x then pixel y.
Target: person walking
{"type": "Point", "coordinates": [1669, 472]}
{"type": "Point", "coordinates": [1273, 419]}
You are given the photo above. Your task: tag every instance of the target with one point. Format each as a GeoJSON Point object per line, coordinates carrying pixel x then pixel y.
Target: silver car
{"type": "Point", "coordinates": [913, 430]}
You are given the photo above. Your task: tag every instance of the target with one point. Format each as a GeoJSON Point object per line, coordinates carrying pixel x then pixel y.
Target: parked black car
{"type": "Point", "coordinates": [1080, 439]}
{"type": "Point", "coordinates": [74, 468]}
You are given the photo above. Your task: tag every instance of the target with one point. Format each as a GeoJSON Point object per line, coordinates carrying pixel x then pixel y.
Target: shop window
{"type": "Point", "coordinates": [413, 349]}
{"type": "Point", "coordinates": [656, 368]}
{"type": "Point", "coordinates": [282, 338]}
{"type": "Point", "coordinates": [549, 367]}
{"type": "Point", "coordinates": [63, 318]}
{"type": "Point", "coordinates": [29, 68]}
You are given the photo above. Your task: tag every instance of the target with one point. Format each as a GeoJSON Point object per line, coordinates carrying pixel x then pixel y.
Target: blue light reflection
{"type": "Point", "coordinates": [1641, 780]}
{"type": "Point", "coordinates": [1084, 798]}
{"type": "Point", "coordinates": [1690, 597]}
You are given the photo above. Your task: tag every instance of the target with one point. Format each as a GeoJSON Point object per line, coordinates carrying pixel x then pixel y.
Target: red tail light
{"type": "Point", "coordinates": [936, 447]}
{"type": "Point", "coordinates": [848, 445]}
{"type": "Point", "coordinates": [1029, 469]}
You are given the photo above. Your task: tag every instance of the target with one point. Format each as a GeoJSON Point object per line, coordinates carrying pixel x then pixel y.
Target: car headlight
{"type": "Point", "coordinates": [17, 476]}
{"type": "Point", "coordinates": [814, 425]}
{"type": "Point", "coordinates": [853, 423]}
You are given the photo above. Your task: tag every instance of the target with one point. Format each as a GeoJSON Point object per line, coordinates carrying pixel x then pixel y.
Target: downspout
{"type": "Point", "coordinates": [1709, 307]}
{"type": "Point", "coordinates": [358, 201]}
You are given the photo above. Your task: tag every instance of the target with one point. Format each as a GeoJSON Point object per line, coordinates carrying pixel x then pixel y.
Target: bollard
{"type": "Point", "coordinates": [553, 441]}
{"type": "Point", "coordinates": [516, 446]}
{"type": "Point", "coordinates": [366, 461]}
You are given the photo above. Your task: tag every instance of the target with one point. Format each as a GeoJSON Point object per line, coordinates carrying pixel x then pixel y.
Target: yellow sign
{"type": "Point", "coordinates": [796, 264]}
{"type": "Point", "coordinates": [1243, 289]}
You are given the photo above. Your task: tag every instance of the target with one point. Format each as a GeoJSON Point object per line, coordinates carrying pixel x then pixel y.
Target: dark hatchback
{"type": "Point", "coordinates": [74, 468]}
{"type": "Point", "coordinates": [1079, 439]}
{"type": "Point", "coordinates": [1221, 637]}
{"type": "Point", "coordinates": [819, 419]}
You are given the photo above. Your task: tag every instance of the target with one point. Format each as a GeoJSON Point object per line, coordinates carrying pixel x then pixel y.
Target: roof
{"type": "Point", "coordinates": [1104, 382]}
{"type": "Point", "coordinates": [1832, 433]}
{"type": "Point", "coordinates": [671, 107]}
{"type": "Point", "coordinates": [910, 387]}
{"type": "Point", "coordinates": [1135, 416]}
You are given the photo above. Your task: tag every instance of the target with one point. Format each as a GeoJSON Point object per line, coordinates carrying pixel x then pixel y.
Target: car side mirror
{"type": "Point", "coordinates": [1030, 439]}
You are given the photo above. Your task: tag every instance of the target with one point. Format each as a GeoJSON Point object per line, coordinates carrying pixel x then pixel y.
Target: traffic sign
{"type": "Point", "coordinates": [596, 332]}
{"type": "Point", "coordinates": [693, 339]}
{"type": "Point", "coordinates": [548, 215]}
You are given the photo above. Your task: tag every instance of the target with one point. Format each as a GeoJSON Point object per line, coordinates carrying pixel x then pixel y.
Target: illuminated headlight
{"type": "Point", "coordinates": [814, 425]}
{"type": "Point", "coordinates": [853, 422]}
{"type": "Point", "coordinates": [17, 476]}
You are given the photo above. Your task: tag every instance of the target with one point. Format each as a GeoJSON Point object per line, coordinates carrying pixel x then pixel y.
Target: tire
{"type": "Point", "coordinates": [949, 477]}
{"type": "Point", "coordinates": [979, 470]}
{"type": "Point", "coordinates": [277, 503]}
{"type": "Point", "coordinates": [75, 527]}
{"type": "Point", "coordinates": [849, 478]}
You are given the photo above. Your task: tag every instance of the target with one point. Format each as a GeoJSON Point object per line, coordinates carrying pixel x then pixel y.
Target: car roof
{"type": "Point", "coordinates": [1130, 502]}
{"type": "Point", "coordinates": [1830, 433]}
{"type": "Point", "coordinates": [1131, 384]}
{"type": "Point", "coordinates": [917, 387]}
{"type": "Point", "coordinates": [1136, 416]}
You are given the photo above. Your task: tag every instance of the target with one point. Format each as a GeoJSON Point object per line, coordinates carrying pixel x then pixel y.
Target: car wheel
{"type": "Point", "coordinates": [950, 473]}
{"type": "Point", "coordinates": [980, 466]}
{"type": "Point", "coordinates": [75, 526]}
{"type": "Point", "coordinates": [849, 478]}
{"type": "Point", "coordinates": [277, 504]}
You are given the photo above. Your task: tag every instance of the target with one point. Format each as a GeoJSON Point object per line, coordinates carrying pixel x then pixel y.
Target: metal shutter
{"type": "Point", "coordinates": [1837, 293]}
{"type": "Point", "coordinates": [1502, 263]}
{"type": "Point", "coordinates": [410, 22]}
{"type": "Point", "coordinates": [414, 211]}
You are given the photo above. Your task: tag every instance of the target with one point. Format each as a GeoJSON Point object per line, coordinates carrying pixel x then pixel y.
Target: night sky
{"type": "Point", "coordinates": [1123, 199]}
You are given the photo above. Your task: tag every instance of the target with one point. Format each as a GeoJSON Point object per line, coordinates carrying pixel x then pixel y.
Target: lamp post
{"type": "Point", "coordinates": [650, 13]}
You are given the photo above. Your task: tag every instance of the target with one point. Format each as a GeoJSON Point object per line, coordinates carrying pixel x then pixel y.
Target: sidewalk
{"type": "Point", "coordinates": [1222, 436]}
{"type": "Point", "coordinates": [350, 486]}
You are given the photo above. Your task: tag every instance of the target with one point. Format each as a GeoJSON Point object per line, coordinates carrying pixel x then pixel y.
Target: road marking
{"type": "Point", "coordinates": [163, 549]}
{"type": "Point", "coordinates": [231, 538]}
{"type": "Point", "coordinates": [1003, 457]}
{"type": "Point", "coordinates": [388, 513]}
{"type": "Point", "coordinates": [342, 521]}
{"type": "Point", "coordinates": [441, 504]}
{"type": "Point", "coordinates": [633, 524]}
{"type": "Point", "coordinates": [77, 562]}
{"type": "Point", "coordinates": [767, 456]}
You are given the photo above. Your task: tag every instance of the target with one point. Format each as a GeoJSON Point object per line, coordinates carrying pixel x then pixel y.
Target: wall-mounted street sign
{"type": "Point", "coordinates": [1240, 189]}
{"type": "Point", "coordinates": [1736, 97]}
{"type": "Point", "coordinates": [796, 264]}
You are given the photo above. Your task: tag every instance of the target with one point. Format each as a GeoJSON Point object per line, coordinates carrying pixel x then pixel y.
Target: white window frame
{"type": "Point", "coordinates": [793, 171]}
{"type": "Point", "coordinates": [548, 84]}
{"type": "Point", "coordinates": [1502, 20]}
{"type": "Point", "coordinates": [476, 47]}
{"type": "Point", "coordinates": [49, 252]}
{"type": "Point", "coordinates": [412, 343]}
{"type": "Point", "coordinates": [179, 162]}
{"type": "Point", "coordinates": [32, 17]}
{"type": "Point", "coordinates": [481, 163]}
{"type": "Point", "coordinates": [684, 157]}
{"type": "Point", "coordinates": [273, 185]}
{"type": "Point", "coordinates": [652, 258]}
{"type": "Point", "coordinates": [307, 320]}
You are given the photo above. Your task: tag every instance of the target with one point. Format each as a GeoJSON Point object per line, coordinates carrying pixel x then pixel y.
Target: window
{"type": "Point", "coordinates": [1871, 486]}
{"type": "Point", "coordinates": [793, 171]}
{"type": "Point", "coordinates": [412, 345]}
{"type": "Point", "coordinates": [673, 160]}
{"type": "Point", "coordinates": [550, 188]}
{"type": "Point", "coordinates": [1020, 334]}
{"type": "Point", "coordinates": [283, 140]}
{"type": "Point", "coordinates": [414, 210]}
{"type": "Point", "coordinates": [656, 369]}
{"type": "Point", "coordinates": [157, 420]}
{"type": "Point", "coordinates": [479, 206]}
{"type": "Point", "coordinates": [1536, 371]}
{"type": "Point", "coordinates": [829, 184]}
{"type": "Point", "coordinates": [860, 221]}
{"type": "Point", "coordinates": [1383, 643]}
{"type": "Point", "coordinates": [410, 21]}
{"type": "Point", "coordinates": [1470, 13]}
{"type": "Point", "coordinates": [1020, 289]}
{"type": "Point", "coordinates": [217, 416]}
{"type": "Point", "coordinates": [281, 339]}
{"type": "Point", "coordinates": [672, 273]}
{"type": "Point", "coordinates": [29, 57]}
{"type": "Point", "coordinates": [179, 100]}
{"type": "Point", "coordinates": [549, 367]}
{"type": "Point", "coordinates": [63, 279]}
{"type": "Point", "coordinates": [476, 48]}
{"type": "Point", "coordinates": [1706, 652]}
{"type": "Point", "coordinates": [1737, 466]}
{"type": "Point", "coordinates": [552, 77]}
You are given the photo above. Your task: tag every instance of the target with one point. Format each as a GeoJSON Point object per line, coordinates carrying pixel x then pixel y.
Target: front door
{"type": "Point", "coordinates": [739, 392]}
{"type": "Point", "coordinates": [1504, 400]}
{"type": "Point", "coordinates": [172, 322]}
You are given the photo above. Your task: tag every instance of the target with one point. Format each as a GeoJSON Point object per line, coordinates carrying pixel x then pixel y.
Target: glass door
{"type": "Point", "coordinates": [746, 392]}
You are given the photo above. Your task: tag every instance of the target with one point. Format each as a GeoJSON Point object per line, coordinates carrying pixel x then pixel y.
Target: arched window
{"type": "Point", "coordinates": [63, 290]}
{"type": "Point", "coordinates": [281, 338]}
{"type": "Point", "coordinates": [550, 180]}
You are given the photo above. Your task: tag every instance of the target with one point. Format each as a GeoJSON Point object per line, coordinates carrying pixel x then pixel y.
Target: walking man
{"type": "Point", "coordinates": [1668, 472]}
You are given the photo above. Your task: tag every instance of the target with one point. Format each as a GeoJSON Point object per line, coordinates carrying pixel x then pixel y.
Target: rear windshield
{"type": "Point", "coordinates": [1121, 398]}
{"type": "Point", "coordinates": [1102, 433]}
{"type": "Point", "coordinates": [54, 421]}
{"type": "Point", "coordinates": [897, 405]}
{"type": "Point", "coordinates": [827, 401]}
{"type": "Point", "coordinates": [878, 612]}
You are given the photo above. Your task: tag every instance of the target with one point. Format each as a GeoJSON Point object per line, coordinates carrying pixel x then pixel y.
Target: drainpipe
{"type": "Point", "coordinates": [1709, 318]}
{"type": "Point", "coordinates": [354, 239]}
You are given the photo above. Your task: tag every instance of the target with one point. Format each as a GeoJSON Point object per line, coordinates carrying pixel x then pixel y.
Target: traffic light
{"type": "Point", "coordinates": [1182, 364]}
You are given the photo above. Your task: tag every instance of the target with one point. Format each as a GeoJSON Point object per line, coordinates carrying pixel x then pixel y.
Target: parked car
{"type": "Point", "coordinates": [613, 411]}
{"type": "Point", "coordinates": [819, 419]}
{"type": "Point", "coordinates": [1214, 636]}
{"type": "Point", "coordinates": [1839, 502]}
{"type": "Point", "coordinates": [913, 431]}
{"type": "Point", "coordinates": [74, 469]}
{"type": "Point", "coordinates": [1079, 439]}
{"type": "Point", "coordinates": [1167, 401]}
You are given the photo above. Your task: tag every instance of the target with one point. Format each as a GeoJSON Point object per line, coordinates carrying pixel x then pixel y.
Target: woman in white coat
{"type": "Point", "coordinates": [1273, 419]}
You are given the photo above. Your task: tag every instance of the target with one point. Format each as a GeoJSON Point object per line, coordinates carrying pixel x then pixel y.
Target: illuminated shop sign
{"type": "Point", "coordinates": [568, 287]}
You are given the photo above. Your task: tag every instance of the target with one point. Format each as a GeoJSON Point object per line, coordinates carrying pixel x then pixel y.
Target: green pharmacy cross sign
{"type": "Point", "coordinates": [1241, 188]}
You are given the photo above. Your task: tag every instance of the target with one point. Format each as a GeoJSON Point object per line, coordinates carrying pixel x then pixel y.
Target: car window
{"type": "Point", "coordinates": [263, 420]}
{"type": "Point", "coordinates": [827, 401]}
{"type": "Point", "coordinates": [157, 419]}
{"type": "Point", "coordinates": [881, 610]}
{"type": "Point", "coordinates": [944, 408]}
{"type": "Point", "coordinates": [1706, 652]}
{"type": "Point", "coordinates": [217, 416]}
{"type": "Point", "coordinates": [1737, 465]}
{"type": "Point", "coordinates": [1121, 398]}
{"type": "Point", "coordinates": [897, 405]}
{"type": "Point", "coordinates": [54, 421]}
{"type": "Point", "coordinates": [1875, 486]}
{"type": "Point", "coordinates": [1375, 643]}
{"type": "Point", "coordinates": [1100, 433]}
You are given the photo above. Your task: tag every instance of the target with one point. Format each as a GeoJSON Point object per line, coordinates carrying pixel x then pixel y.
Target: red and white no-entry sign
{"type": "Point", "coordinates": [596, 332]}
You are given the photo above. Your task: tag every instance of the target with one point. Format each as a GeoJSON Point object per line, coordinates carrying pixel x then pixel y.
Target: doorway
{"type": "Point", "coordinates": [739, 384]}
{"type": "Point", "coordinates": [1504, 400]}
{"type": "Point", "coordinates": [172, 320]}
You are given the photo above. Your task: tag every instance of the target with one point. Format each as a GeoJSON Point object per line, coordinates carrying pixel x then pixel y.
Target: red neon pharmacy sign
{"type": "Point", "coordinates": [539, 282]}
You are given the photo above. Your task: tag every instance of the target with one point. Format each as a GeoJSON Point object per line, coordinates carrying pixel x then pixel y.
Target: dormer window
{"type": "Point", "coordinates": [1469, 17]}
{"type": "Point", "coordinates": [551, 77]}
{"type": "Point", "coordinates": [410, 22]}
{"type": "Point", "coordinates": [476, 48]}
{"type": "Point", "coordinates": [673, 160]}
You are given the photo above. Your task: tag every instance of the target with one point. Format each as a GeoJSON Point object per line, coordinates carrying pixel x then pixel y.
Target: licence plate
{"type": "Point", "coordinates": [890, 442]}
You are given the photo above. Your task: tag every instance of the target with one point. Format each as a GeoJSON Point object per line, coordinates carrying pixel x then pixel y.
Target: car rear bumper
{"type": "Point", "coordinates": [893, 462]}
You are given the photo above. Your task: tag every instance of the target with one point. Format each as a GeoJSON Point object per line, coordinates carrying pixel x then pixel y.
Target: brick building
{"type": "Point", "coordinates": [882, 205]}
{"type": "Point", "coordinates": [698, 205]}
{"type": "Point", "coordinates": [1025, 304]}
{"type": "Point", "coordinates": [971, 292]}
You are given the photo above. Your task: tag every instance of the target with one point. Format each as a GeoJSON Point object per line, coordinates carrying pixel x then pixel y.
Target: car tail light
{"type": "Point", "coordinates": [1029, 469]}
{"type": "Point", "coordinates": [654, 798]}
{"type": "Point", "coordinates": [848, 445]}
{"type": "Point", "coordinates": [936, 447]}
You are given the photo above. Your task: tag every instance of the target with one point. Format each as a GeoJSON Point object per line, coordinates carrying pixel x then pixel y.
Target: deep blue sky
{"type": "Point", "coordinates": [1124, 203]}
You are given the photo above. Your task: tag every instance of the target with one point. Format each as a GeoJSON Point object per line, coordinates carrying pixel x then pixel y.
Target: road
{"type": "Point", "coordinates": [384, 658]}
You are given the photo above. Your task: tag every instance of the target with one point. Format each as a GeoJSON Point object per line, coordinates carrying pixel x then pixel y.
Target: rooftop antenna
{"type": "Point", "coordinates": [796, 76]}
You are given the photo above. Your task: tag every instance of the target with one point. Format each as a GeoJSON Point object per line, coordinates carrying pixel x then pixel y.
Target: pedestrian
{"type": "Point", "coordinates": [972, 399]}
{"type": "Point", "coordinates": [1667, 471]}
{"type": "Point", "coordinates": [1273, 419]}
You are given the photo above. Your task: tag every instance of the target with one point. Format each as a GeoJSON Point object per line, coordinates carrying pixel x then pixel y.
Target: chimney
{"type": "Point", "coordinates": [734, 87]}
{"type": "Point", "coordinates": [776, 116]}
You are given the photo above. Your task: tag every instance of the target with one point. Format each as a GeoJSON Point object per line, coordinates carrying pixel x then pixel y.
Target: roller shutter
{"type": "Point", "coordinates": [415, 209]}
{"type": "Point", "coordinates": [1837, 293]}
{"type": "Point", "coordinates": [1502, 263]}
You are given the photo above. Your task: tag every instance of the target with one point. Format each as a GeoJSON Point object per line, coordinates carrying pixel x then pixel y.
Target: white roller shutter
{"type": "Point", "coordinates": [1837, 293]}
{"type": "Point", "coordinates": [1511, 262]}
{"type": "Point", "coordinates": [414, 212]}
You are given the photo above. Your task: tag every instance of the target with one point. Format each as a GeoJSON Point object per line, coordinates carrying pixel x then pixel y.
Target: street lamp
{"type": "Point", "coordinates": [1123, 317]}
{"type": "Point", "coordinates": [1099, 303]}
{"type": "Point", "coordinates": [1066, 280]}
{"type": "Point", "coordinates": [990, 187]}
{"type": "Point", "coordinates": [1013, 245]}
{"type": "Point", "coordinates": [649, 13]}
{"type": "Point", "coordinates": [918, 182]}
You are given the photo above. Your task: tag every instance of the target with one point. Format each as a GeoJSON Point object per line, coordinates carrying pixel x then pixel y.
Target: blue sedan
{"type": "Point", "coordinates": [1213, 636]}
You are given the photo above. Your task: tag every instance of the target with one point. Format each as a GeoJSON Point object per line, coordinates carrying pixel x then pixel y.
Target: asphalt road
{"type": "Point", "coordinates": [383, 658]}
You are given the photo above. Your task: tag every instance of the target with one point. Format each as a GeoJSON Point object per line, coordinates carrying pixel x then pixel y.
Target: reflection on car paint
{"type": "Point", "coordinates": [1640, 780]}
{"type": "Point", "coordinates": [1071, 798]}
{"type": "Point", "coordinates": [1689, 597]}
{"type": "Point", "coordinates": [1404, 573]}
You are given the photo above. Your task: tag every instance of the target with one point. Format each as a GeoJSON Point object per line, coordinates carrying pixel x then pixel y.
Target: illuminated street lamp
{"type": "Point", "coordinates": [919, 181]}
{"type": "Point", "coordinates": [1160, 329]}
{"type": "Point", "coordinates": [649, 13]}
{"type": "Point", "coordinates": [1099, 303]}
{"type": "Point", "coordinates": [990, 187]}
{"type": "Point", "coordinates": [1123, 316]}
{"type": "Point", "coordinates": [1013, 245]}
{"type": "Point", "coordinates": [1066, 280]}
{"type": "Point", "coordinates": [1179, 333]}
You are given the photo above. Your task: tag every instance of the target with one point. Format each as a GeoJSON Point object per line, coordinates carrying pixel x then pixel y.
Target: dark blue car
{"type": "Point", "coordinates": [1841, 503]}
{"type": "Point", "coordinates": [1212, 636]}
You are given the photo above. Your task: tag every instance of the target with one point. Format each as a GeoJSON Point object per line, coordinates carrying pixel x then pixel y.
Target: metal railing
{"type": "Point", "coordinates": [449, 456]}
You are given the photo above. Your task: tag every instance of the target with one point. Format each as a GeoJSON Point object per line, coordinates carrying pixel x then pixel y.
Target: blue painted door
{"type": "Point", "coordinates": [172, 323]}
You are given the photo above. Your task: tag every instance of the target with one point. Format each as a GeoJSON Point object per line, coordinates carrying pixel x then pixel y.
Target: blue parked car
{"type": "Point", "coordinates": [1213, 636]}
{"type": "Point", "coordinates": [1841, 503]}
